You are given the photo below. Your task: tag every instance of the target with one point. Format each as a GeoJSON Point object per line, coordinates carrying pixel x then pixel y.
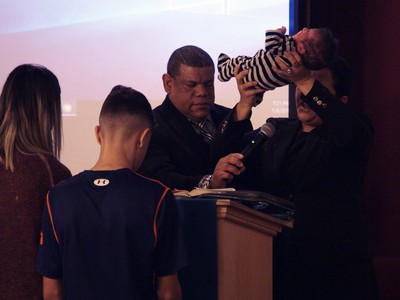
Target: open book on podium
{"type": "Point", "coordinates": [260, 201]}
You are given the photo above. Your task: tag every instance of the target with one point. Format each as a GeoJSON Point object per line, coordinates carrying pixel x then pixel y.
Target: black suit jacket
{"type": "Point", "coordinates": [324, 181]}
{"type": "Point", "coordinates": [177, 155]}
{"type": "Point", "coordinates": [322, 172]}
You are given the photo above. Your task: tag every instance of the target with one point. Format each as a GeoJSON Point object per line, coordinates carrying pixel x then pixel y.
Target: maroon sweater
{"type": "Point", "coordinates": [22, 195]}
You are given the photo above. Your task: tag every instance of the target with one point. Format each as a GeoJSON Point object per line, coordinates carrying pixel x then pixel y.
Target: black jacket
{"type": "Point", "coordinates": [324, 180]}
{"type": "Point", "coordinates": [177, 155]}
{"type": "Point", "coordinates": [322, 172]}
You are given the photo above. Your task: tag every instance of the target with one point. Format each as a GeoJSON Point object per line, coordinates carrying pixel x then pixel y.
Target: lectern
{"type": "Point", "coordinates": [230, 250]}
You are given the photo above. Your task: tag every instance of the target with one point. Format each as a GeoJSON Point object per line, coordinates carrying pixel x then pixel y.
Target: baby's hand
{"type": "Point", "coordinates": [282, 29]}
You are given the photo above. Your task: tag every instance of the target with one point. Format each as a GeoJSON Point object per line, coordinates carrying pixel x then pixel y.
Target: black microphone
{"type": "Point", "coordinates": [266, 131]}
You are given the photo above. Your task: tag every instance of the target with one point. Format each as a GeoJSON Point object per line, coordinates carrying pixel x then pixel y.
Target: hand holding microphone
{"type": "Point", "coordinates": [232, 164]}
{"type": "Point", "coordinates": [225, 170]}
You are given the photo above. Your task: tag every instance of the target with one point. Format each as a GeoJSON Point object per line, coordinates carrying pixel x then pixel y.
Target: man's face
{"type": "Point", "coordinates": [305, 114]}
{"type": "Point", "coordinates": [192, 91]}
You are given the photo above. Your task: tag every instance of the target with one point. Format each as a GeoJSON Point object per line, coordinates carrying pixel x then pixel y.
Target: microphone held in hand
{"type": "Point", "coordinates": [266, 131]}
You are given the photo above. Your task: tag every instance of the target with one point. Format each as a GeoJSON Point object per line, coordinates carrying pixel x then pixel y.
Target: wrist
{"type": "Point", "coordinates": [205, 182]}
{"type": "Point", "coordinates": [242, 111]}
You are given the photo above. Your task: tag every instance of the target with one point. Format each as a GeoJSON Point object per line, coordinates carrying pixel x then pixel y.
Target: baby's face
{"type": "Point", "coordinates": [304, 37]}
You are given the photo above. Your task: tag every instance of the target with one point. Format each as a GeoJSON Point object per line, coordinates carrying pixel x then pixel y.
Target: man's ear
{"type": "Point", "coordinates": [344, 99]}
{"type": "Point", "coordinates": [144, 137]}
{"type": "Point", "coordinates": [167, 82]}
{"type": "Point", "coordinates": [97, 134]}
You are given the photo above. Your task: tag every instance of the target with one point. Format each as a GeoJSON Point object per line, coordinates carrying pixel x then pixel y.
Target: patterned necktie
{"type": "Point", "coordinates": [206, 130]}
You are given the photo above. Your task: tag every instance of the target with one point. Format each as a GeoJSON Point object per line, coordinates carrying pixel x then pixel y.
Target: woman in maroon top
{"type": "Point", "coordinates": [30, 144]}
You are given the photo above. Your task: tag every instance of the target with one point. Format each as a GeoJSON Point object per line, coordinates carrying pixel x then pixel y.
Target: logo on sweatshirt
{"type": "Point", "coordinates": [101, 182]}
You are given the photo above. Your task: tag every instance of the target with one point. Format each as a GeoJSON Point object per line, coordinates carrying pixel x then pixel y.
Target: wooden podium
{"type": "Point", "coordinates": [229, 249]}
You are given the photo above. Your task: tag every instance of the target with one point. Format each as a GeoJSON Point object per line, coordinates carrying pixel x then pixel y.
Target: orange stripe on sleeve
{"type": "Point", "coordinates": [156, 214]}
{"type": "Point", "coordinates": [51, 218]}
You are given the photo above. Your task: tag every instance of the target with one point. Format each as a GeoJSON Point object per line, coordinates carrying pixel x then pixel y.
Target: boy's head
{"type": "Point", "coordinates": [317, 47]}
{"type": "Point", "coordinates": [125, 102]}
{"type": "Point", "coordinates": [126, 118]}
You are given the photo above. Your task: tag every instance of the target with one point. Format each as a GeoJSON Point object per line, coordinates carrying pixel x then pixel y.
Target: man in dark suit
{"type": "Point", "coordinates": [186, 123]}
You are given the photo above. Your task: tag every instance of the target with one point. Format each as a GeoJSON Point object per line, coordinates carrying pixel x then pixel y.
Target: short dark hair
{"type": "Point", "coordinates": [124, 100]}
{"type": "Point", "coordinates": [189, 55]}
{"type": "Point", "coordinates": [342, 77]}
{"type": "Point", "coordinates": [318, 55]}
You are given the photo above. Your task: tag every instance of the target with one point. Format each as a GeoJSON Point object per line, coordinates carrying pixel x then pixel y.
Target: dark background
{"type": "Point", "coordinates": [369, 37]}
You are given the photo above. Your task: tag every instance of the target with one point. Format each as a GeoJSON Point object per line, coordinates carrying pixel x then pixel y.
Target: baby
{"type": "Point", "coordinates": [316, 46]}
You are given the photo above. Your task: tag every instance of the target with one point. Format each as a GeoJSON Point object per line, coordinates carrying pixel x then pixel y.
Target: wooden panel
{"type": "Point", "coordinates": [244, 242]}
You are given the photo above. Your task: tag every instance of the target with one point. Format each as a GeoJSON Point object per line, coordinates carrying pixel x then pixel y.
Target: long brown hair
{"type": "Point", "coordinates": [30, 114]}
